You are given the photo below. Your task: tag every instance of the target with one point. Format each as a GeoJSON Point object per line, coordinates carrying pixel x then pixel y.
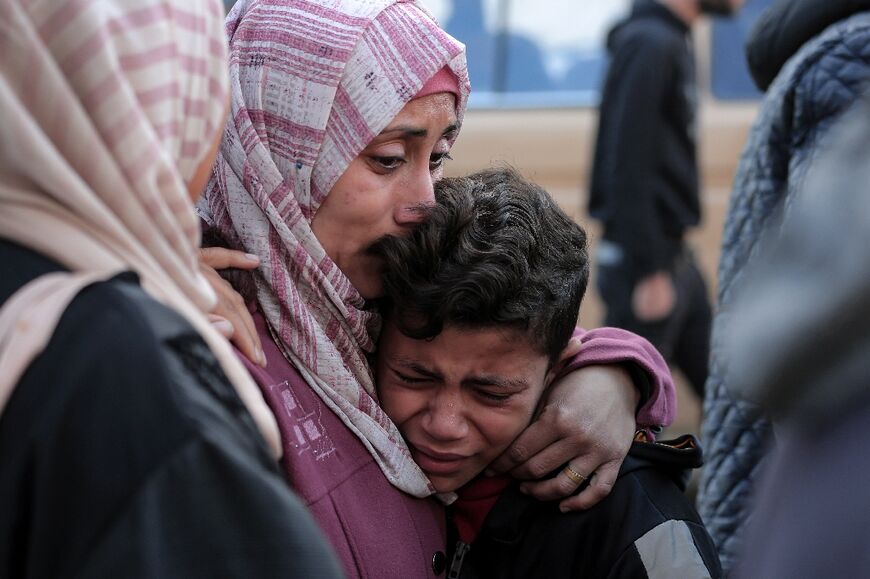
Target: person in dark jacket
{"type": "Point", "coordinates": [125, 452]}
{"type": "Point", "coordinates": [482, 300]}
{"type": "Point", "coordinates": [133, 442]}
{"type": "Point", "coordinates": [804, 344]}
{"type": "Point", "coordinates": [813, 59]}
{"type": "Point", "coordinates": [644, 186]}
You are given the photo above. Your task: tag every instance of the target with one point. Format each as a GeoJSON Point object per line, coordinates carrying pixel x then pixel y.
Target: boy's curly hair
{"type": "Point", "coordinates": [496, 250]}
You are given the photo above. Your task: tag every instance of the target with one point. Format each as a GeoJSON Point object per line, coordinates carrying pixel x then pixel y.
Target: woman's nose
{"type": "Point", "coordinates": [418, 198]}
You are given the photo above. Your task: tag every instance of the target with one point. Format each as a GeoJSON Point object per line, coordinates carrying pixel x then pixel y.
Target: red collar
{"type": "Point", "coordinates": [474, 502]}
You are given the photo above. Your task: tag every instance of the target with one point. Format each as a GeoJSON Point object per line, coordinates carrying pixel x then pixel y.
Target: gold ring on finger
{"type": "Point", "coordinates": [575, 476]}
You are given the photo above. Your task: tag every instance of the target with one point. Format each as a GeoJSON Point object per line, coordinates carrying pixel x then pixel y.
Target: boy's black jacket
{"type": "Point", "coordinates": [523, 537]}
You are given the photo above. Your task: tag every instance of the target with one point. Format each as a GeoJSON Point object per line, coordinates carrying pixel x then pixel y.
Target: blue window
{"type": "Point", "coordinates": [552, 52]}
{"type": "Point", "coordinates": [545, 53]}
{"type": "Point", "coordinates": [542, 53]}
{"type": "Point", "coordinates": [730, 77]}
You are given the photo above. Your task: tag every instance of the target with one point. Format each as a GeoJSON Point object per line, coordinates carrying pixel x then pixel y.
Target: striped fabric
{"type": "Point", "coordinates": [109, 107]}
{"type": "Point", "coordinates": [312, 84]}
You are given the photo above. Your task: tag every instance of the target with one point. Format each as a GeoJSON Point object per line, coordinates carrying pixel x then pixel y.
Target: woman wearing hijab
{"type": "Point", "coordinates": [341, 116]}
{"type": "Point", "coordinates": [127, 445]}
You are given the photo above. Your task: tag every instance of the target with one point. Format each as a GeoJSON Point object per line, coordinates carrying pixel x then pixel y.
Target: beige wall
{"type": "Point", "coordinates": [554, 148]}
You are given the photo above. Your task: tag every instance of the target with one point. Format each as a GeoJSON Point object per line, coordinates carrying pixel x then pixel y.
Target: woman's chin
{"type": "Point", "coordinates": [367, 280]}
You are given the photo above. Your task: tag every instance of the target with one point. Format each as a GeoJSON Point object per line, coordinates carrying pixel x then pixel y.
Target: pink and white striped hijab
{"type": "Point", "coordinates": [109, 106]}
{"type": "Point", "coordinates": [312, 84]}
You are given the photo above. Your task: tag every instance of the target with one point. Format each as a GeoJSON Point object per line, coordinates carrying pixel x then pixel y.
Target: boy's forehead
{"type": "Point", "coordinates": [493, 336]}
{"type": "Point", "coordinates": [505, 349]}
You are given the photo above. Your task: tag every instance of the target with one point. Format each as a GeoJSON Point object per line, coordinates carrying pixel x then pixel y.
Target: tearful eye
{"type": "Point", "coordinates": [492, 397]}
{"type": "Point", "coordinates": [387, 163]}
{"type": "Point", "coordinates": [409, 379]}
{"type": "Point", "coordinates": [436, 160]}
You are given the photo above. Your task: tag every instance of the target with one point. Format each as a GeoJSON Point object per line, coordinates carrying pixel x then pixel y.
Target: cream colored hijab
{"type": "Point", "coordinates": [108, 108]}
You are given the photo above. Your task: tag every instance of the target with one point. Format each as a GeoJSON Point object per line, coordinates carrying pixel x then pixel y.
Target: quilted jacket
{"type": "Point", "coordinates": [818, 53]}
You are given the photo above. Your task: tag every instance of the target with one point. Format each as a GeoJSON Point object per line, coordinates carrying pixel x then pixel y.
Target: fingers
{"type": "Point", "coordinates": [573, 348]}
{"type": "Point", "coordinates": [544, 462]}
{"type": "Point", "coordinates": [223, 258]}
{"type": "Point", "coordinates": [232, 309]}
{"type": "Point", "coordinates": [539, 435]}
{"type": "Point", "coordinates": [570, 351]}
{"type": "Point", "coordinates": [222, 325]}
{"type": "Point", "coordinates": [588, 420]}
{"type": "Point", "coordinates": [600, 485]}
{"type": "Point", "coordinates": [564, 483]}
{"type": "Point", "coordinates": [247, 341]}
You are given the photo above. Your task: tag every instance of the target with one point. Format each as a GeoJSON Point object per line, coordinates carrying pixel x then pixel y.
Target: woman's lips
{"type": "Point", "coordinates": [437, 462]}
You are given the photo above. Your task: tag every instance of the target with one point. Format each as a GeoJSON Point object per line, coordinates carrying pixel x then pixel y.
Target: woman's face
{"type": "Point", "coordinates": [386, 188]}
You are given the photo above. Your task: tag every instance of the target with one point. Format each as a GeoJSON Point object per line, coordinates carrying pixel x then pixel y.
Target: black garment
{"type": "Point", "coordinates": [806, 361]}
{"type": "Point", "coordinates": [683, 337]}
{"type": "Point", "coordinates": [645, 528]}
{"type": "Point", "coordinates": [787, 25]}
{"type": "Point", "coordinates": [644, 184]}
{"type": "Point", "coordinates": [125, 452]}
{"type": "Point", "coordinates": [812, 505]}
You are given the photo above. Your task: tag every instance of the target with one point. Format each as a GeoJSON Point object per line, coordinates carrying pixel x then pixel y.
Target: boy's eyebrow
{"type": "Point", "coordinates": [418, 368]}
{"type": "Point", "coordinates": [512, 384]}
{"type": "Point", "coordinates": [498, 381]}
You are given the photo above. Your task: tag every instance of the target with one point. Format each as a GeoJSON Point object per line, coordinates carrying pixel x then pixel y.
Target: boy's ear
{"type": "Point", "coordinates": [571, 349]}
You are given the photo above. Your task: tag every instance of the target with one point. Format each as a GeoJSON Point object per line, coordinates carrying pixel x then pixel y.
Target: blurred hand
{"type": "Point", "coordinates": [654, 297]}
{"type": "Point", "coordinates": [230, 316]}
{"type": "Point", "coordinates": [588, 422]}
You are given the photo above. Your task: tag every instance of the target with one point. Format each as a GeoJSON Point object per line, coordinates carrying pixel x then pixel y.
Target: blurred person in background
{"type": "Point", "coordinates": [800, 326]}
{"type": "Point", "coordinates": [645, 184]}
{"type": "Point", "coordinates": [481, 303]}
{"type": "Point", "coordinates": [342, 115]}
{"type": "Point", "coordinates": [813, 59]}
{"type": "Point", "coordinates": [129, 439]}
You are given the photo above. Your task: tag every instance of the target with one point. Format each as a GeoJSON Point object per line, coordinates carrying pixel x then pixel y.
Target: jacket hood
{"type": "Point", "coordinates": [787, 25]}
{"type": "Point", "coordinates": [676, 457]}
